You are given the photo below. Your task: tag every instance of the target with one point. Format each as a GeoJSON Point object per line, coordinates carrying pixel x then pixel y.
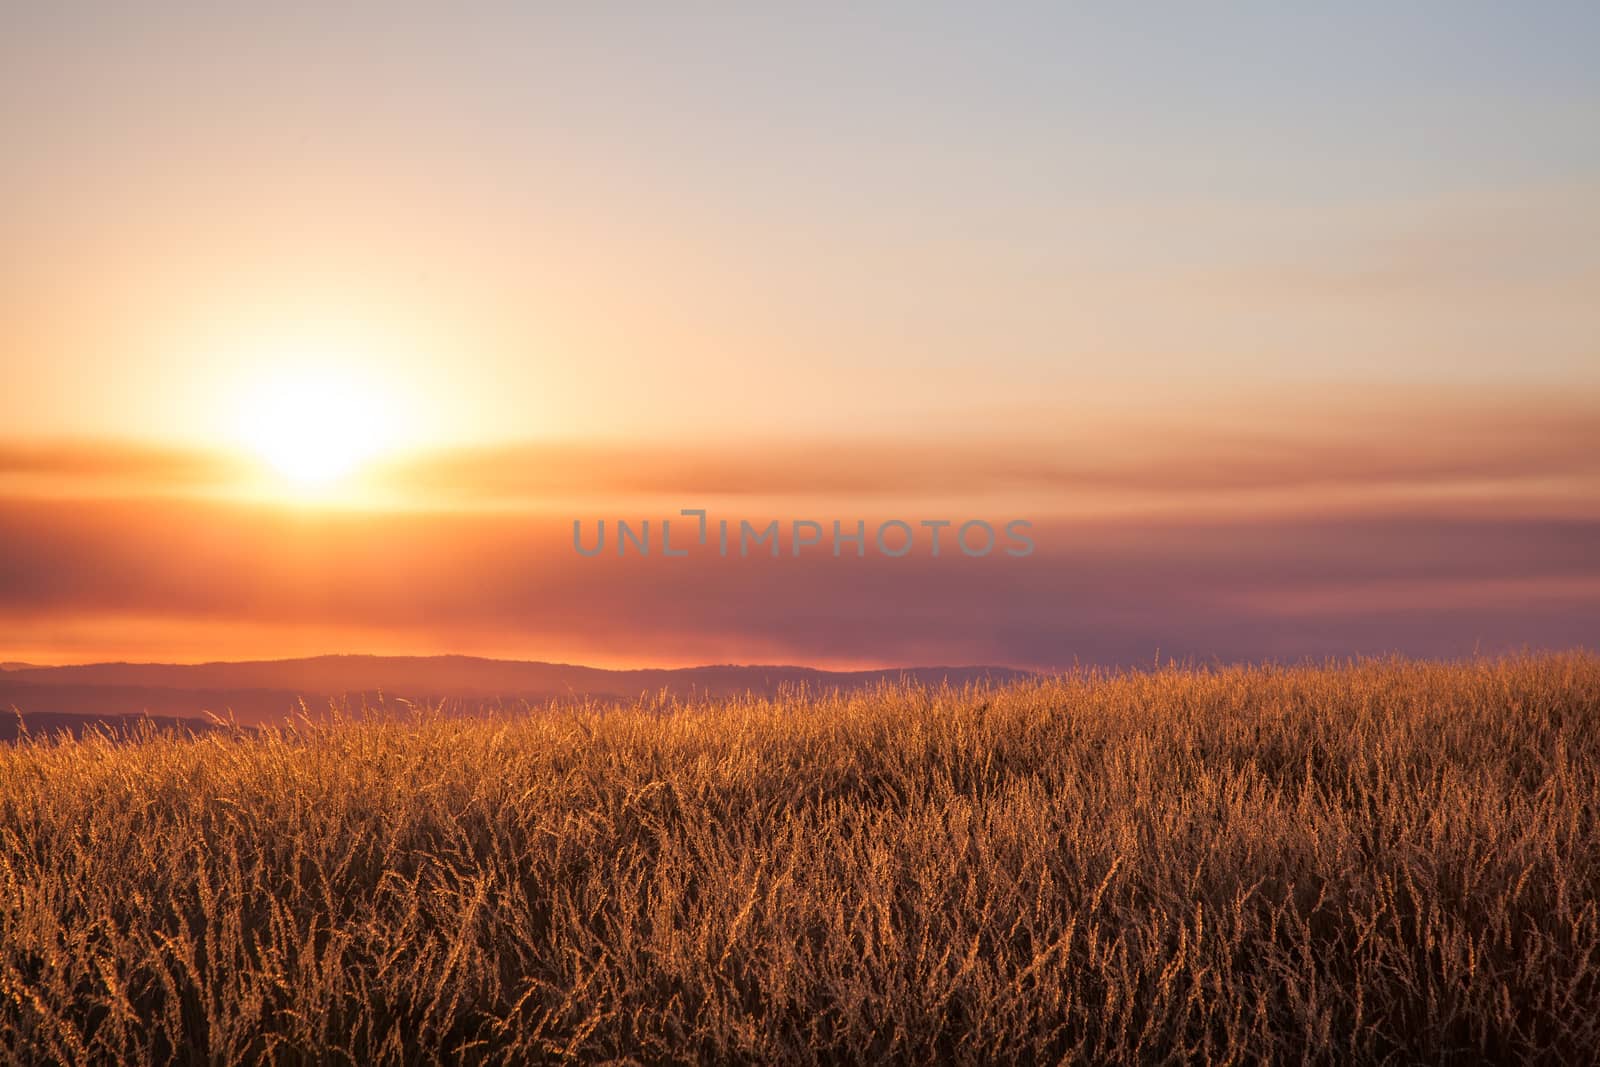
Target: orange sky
{"type": "Point", "coordinates": [1328, 527]}
{"type": "Point", "coordinates": [319, 327]}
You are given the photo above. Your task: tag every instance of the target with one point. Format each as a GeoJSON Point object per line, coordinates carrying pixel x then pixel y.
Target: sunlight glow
{"type": "Point", "coordinates": [315, 425]}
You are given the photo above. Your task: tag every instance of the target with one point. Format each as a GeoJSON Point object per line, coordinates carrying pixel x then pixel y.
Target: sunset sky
{"type": "Point", "coordinates": [319, 328]}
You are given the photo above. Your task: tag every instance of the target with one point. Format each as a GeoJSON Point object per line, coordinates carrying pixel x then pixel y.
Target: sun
{"type": "Point", "coordinates": [315, 426]}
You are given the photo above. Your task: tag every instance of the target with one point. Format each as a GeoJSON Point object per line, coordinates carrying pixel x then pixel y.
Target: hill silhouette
{"type": "Point", "coordinates": [266, 691]}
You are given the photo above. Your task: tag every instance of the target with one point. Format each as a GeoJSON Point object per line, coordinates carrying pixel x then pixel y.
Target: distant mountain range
{"type": "Point", "coordinates": [260, 692]}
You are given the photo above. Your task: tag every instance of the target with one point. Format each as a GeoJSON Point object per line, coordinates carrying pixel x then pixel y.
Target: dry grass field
{"type": "Point", "coordinates": [1380, 862]}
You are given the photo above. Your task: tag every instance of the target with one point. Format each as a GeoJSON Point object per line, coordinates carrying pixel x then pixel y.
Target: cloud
{"type": "Point", "coordinates": [1111, 591]}
{"type": "Point", "coordinates": [1284, 443]}
{"type": "Point", "coordinates": [1426, 524]}
{"type": "Point", "coordinates": [122, 466]}
{"type": "Point", "coordinates": [1183, 454]}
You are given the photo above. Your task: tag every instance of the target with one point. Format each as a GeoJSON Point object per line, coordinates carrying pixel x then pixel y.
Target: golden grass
{"type": "Point", "coordinates": [1384, 861]}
